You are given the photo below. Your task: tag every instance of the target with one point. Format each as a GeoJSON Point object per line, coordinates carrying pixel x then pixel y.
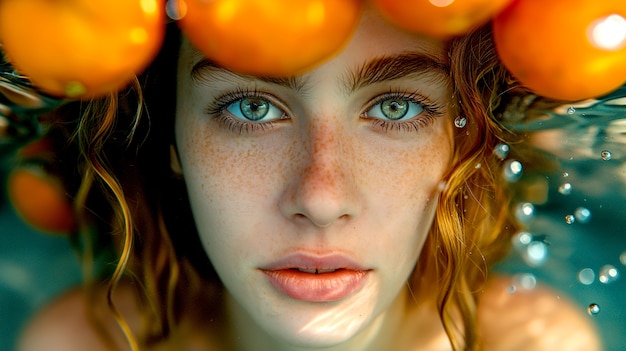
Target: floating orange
{"type": "Point", "coordinates": [81, 48]}
{"type": "Point", "coordinates": [564, 49]}
{"type": "Point", "coordinates": [270, 37]}
{"type": "Point", "coordinates": [40, 200]}
{"type": "Point", "coordinates": [440, 18]}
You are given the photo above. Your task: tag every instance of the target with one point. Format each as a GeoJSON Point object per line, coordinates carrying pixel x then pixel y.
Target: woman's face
{"type": "Point", "coordinates": [313, 195]}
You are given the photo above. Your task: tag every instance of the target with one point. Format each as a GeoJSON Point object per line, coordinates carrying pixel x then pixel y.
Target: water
{"type": "Point", "coordinates": [581, 217]}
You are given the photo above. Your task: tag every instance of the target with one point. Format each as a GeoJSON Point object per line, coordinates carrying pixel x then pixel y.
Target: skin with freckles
{"type": "Point", "coordinates": [324, 173]}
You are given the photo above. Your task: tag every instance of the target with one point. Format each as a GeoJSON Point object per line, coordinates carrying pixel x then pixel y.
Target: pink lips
{"type": "Point", "coordinates": [316, 279]}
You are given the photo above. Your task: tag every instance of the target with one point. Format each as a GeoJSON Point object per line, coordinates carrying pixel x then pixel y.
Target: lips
{"type": "Point", "coordinates": [316, 278]}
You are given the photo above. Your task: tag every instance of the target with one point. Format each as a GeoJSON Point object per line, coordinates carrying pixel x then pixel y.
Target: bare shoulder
{"type": "Point", "coordinates": [537, 319]}
{"type": "Point", "coordinates": [66, 324]}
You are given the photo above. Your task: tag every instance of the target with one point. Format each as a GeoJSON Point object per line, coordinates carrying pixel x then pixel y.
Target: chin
{"type": "Point", "coordinates": [325, 328]}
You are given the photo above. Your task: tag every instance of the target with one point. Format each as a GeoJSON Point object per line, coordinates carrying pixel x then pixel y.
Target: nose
{"type": "Point", "coordinates": [323, 187]}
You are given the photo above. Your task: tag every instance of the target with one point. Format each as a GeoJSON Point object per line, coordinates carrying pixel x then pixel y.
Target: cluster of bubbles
{"type": "Point", "coordinates": [608, 274]}
{"type": "Point", "coordinates": [532, 248]}
{"type": "Point", "coordinates": [581, 214]}
{"type": "Point", "coordinates": [513, 169]}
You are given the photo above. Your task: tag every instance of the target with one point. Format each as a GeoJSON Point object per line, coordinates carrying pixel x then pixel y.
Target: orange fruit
{"type": "Point", "coordinates": [270, 37]}
{"type": "Point", "coordinates": [564, 49]}
{"type": "Point", "coordinates": [40, 200]}
{"type": "Point", "coordinates": [440, 18]}
{"type": "Point", "coordinates": [81, 48]}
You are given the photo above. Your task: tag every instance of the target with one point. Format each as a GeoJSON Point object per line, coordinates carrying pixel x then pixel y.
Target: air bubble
{"type": "Point", "coordinates": [513, 170]}
{"type": "Point", "coordinates": [570, 219]}
{"type": "Point", "coordinates": [501, 151]}
{"type": "Point", "coordinates": [525, 281]}
{"type": "Point", "coordinates": [176, 9]}
{"type": "Point", "coordinates": [622, 258]}
{"type": "Point", "coordinates": [536, 253]}
{"type": "Point", "coordinates": [522, 238]}
{"type": "Point", "coordinates": [524, 212]}
{"type": "Point", "coordinates": [606, 155]}
{"type": "Point", "coordinates": [608, 274]}
{"type": "Point", "coordinates": [512, 289]}
{"type": "Point", "coordinates": [565, 188]}
{"type": "Point", "coordinates": [570, 110]}
{"type": "Point", "coordinates": [460, 122]}
{"type": "Point", "coordinates": [582, 214]}
{"type": "Point", "coordinates": [565, 174]}
{"type": "Point", "coordinates": [593, 309]}
{"type": "Point", "coordinates": [586, 276]}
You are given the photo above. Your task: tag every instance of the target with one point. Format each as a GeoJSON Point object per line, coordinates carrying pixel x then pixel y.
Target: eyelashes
{"type": "Point", "coordinates": [253, 108]}
{"type": "Point", "coordinates": [248, 111]}
{"type": "Point", "coordinates": [402, 112]}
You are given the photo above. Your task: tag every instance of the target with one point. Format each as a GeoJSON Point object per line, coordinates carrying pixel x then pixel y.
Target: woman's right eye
{"type": "Point", "coordinates": [255, 109]}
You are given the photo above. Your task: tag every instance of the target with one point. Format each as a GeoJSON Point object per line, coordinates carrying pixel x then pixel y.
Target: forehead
{"type": "Point", "coordinates": [374, 37]}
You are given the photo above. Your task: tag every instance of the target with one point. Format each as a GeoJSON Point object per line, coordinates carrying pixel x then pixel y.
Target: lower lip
{"type": "Point", "coordinates": [322, 287]}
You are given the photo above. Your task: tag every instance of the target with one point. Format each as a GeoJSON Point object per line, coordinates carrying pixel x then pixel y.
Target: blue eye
{"type": "Point", "coordinates": [395, 109]}
{"type": "Point", "coordinates": [254, 109]}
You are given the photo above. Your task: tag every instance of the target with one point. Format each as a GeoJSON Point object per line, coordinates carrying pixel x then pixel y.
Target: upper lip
{"type": "Point", "coordinates": [314, 262]}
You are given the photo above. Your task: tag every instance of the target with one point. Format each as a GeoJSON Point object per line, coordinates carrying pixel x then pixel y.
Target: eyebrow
{"type": "Point", "coordinates": [377, 70]}
{"type": "Point", "coordinates": [296, 83]}
{"type": "Point", "coordinates": [393, 67]}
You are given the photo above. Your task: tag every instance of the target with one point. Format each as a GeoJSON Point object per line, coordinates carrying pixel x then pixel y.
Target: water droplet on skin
{"type": "Point", "coordinates": [565, 189]}
{"type": "Point", "coordinates": [478, 165]}
{"type": "Point", "coordinates": [586, 276]}
{"type": "Point", "coordinates": [582, 214]}
{"type": "Point", "coordinates": [501, 151]}
{"type": "Point", "coordinates": [460, 122]}
{"type": "Point", "coordinates": [570, 110]}
{"type": "Point", "coordinates": [606, 155]}
{"type": "Point", "coordinates": [513, 170]}
{"type": "Point", "coordinates": [593, 309]}
{"type": "Point", "coordinates": [608, 274]}
{"type": "Point", "coordinates": [570, 219]}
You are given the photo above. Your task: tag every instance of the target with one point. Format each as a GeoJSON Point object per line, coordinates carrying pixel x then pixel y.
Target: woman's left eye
{"type": "Point", "coordinates": [395, 109]}
{"type": "Point", "coordinates": [254, 109]}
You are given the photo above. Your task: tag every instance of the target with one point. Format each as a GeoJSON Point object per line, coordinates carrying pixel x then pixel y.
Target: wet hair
{"type": "Point", "coordinates": [129, 198]}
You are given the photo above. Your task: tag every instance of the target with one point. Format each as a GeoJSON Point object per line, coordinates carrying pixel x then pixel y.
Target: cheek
{"type": "Point", "coordinates": [228, 170]}
{"type": "Point", "coordinates": [408, 176]}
